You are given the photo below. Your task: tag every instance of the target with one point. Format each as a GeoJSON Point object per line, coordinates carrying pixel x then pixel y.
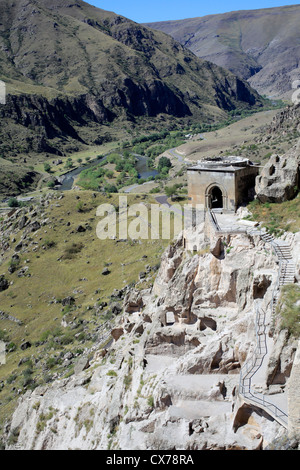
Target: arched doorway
{"type": "Point", "coordinates": [216, 198]}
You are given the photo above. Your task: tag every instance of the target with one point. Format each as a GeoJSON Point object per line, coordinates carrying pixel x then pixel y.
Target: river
{"type": "Point", "coordinates": [67, 180]}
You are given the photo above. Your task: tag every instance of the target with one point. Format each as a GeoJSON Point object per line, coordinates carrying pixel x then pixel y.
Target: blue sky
{"type": "Point", "coordinates": [160, 10]}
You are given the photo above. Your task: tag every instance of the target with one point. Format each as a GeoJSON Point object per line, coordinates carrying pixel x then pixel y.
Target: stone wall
{"type": "Point", "coordinates": [294, 397]}
{"type": "Point", "coordinates": [199, 182]}
{"type": "Point", "coordinates": [245, 184]}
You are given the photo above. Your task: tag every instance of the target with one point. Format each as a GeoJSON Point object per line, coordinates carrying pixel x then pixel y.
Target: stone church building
{"type": "Point", "coordinates": [221, 183]}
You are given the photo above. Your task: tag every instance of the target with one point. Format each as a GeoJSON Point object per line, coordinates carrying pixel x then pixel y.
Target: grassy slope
{"type": "Point", "coordinates": [278, 217]}
{"type": "Point", "coordinates": [243, 138]}
{"type": "Point", "coordinates": [33, 300]}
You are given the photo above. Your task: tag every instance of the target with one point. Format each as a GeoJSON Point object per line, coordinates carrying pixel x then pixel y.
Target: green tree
{"type": "Point", "coordinates": [110, 188]}
{"type": "Point", "coordinates": [164, 162]}
{"type": "Point", "coordinates": [13, 202]}
{"type": "Point", "coordinates": [171, 191]}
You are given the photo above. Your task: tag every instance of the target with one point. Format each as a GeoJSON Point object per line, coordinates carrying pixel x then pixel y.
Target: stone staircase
{"type": "Point", "coordinates": [286, 275]}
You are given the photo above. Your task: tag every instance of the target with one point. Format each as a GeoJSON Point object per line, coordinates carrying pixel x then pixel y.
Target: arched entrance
{"type": "Point", "coordinates": [216, 198]}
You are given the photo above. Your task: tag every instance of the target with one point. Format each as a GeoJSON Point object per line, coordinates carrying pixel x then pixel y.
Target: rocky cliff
{"type": "Point", "coordinates": [115, 68]}
{"type": "Point", "coordinates": [170, 378]}
{"type": "Point", "coordinates": [77, 76]}
{"type": "Point", "coordinates": [279, 179]}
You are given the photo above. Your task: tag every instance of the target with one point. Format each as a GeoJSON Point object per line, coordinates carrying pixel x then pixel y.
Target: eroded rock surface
{"type": "Point", "coordinates": [279, 179]}
{"type": "Point", "coordinates": [167, 386]}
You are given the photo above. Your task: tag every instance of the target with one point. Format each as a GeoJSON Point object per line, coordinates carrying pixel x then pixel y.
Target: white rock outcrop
{"type": "Point", "coordinates": [163, 386]}
{"type": "Point", "coordinates": [279, 179]}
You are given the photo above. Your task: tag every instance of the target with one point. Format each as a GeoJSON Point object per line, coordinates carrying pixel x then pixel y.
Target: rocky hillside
{"type": "Point", "coordinates": [78, 76]}
{"type": "Point", "coordinates": [170, 385]}
{"type": "Point", "coordinates": [95, 66]}
{"type": "Point", "coordinates": [279, 180]}
{"type": "Point", "coordinates": [285, 123]}
{"type": "Point", "coordinates": [261, 46]}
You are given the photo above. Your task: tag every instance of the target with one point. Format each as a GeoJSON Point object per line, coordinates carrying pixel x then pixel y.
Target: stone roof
{"type": "Point", "coordinates": [230, 163]}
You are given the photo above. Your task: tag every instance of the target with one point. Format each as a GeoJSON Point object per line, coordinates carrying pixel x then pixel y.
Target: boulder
{"type": "Point", "coordinates": [117, 333]}
{"type": "Point", "coordinates": [217, 248]}
{"type": "Point", "coordinates": [133, 302]}
{"type": "Point", "coordinates": [19, 246]}
{"type": "Point", "coordinates": [4, 284]}
{"type": "Point", "coordinates": [68, 301]}
{"type": "Point", "coordinates": [81, 365]}
{"type": "Point", "coordinates": [23, 272]}
{"type": "Point", "coordinates": [116, 308]}
{"type": "Point", "coordinates": [279, 179]}
{"type": "Point", "coordinates": [105, 272]}
{"type": "Point", "coordinates": [34, 226]}
{"type": "Point", "coordinates": [23, 222]}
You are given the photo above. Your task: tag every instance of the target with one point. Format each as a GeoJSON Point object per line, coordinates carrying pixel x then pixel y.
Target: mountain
{"type": "Point", "coordinates": [67, 64]}
{"type": "Point", "coordinates": [261, 46]}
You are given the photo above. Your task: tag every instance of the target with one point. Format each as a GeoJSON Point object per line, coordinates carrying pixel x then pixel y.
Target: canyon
{"type": "Point", "coordinates": [172, 381]}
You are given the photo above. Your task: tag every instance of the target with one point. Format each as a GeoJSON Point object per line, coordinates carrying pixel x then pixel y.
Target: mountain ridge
{"type": "Point", "coordinates": [145, 50]}
{"type": "Point", "coordinates": [261, 46]}
{"type": "Point", "coordinates": [74, 72]}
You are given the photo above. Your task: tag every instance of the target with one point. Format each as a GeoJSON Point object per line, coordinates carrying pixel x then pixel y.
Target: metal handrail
{"type": "Point", "coordinates": [250, 368]}
{"type": "Point", "coordinates": [253, 364]}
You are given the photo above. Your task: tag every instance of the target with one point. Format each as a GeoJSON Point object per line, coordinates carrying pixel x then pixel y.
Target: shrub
{"type": "Point", "coordinates": [3, 335]}
{"type": "Point", "coordinates": [13, 202]}
{"type": "Point", "coordinates": [164, 162]}
{"type": "Point", "coordinates": [52, 362]}
{"type": "Point", "coordinates": [80, 207]}
{"type": "Point", "coordinates": [110, 188]}
{"type": "Point", "coordinates": [150, 401]}
{"type": "Point", "coordinates": [49, 244]}
{"type": "Point", "coordinates": [171, 190]}
{"type": "Point", "coordinates": [72, 250]}
{"type": "Point", "coordinates": [112, 373]}
{"type": "Point", "coordinates": [289, 309]}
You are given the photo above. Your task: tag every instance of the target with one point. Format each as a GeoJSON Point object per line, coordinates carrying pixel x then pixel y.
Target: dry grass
{"type": "Point", "coordinates": [66, 263]}
{"type": "Point", "coordinates": [233, 139]}
{"type": "Point", "coordinates": [278, 218]}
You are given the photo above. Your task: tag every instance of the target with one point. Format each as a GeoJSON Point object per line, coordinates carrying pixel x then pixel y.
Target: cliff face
{"type": "Point", "coordinates": [166, 385]}
{"type": "Point", "coordinates": [99, 66]}
{"type": "Point", "coordinates": [36, 122]}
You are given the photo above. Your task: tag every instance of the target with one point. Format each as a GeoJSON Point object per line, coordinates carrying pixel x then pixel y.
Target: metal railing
{"type": "Point", "coordinates": [251, 367]}
{"type": "Point", "coordinates": [254, 363]}
{"type": "Point", "coordinates": [213, 219]}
